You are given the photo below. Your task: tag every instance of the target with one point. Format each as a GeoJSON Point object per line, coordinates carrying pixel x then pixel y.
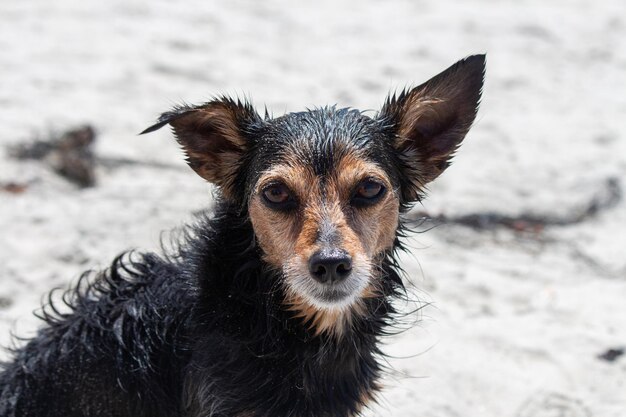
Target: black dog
{"type": "Point", "coordinates": [273, 306]}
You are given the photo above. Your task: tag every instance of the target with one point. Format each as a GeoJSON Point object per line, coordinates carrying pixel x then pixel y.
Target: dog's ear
{"type": "Point", "coordinates": [213, 136]}
{"type": "Point", "coordinates": [429, 122]}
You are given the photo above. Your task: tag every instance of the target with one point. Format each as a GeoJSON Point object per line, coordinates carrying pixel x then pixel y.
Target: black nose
{"type": "Point", "coordinates": [330, 265]}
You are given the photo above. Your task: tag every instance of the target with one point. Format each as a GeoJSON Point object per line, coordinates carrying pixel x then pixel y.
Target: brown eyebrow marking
{"type": "Point", "coordinates": [352, 169]}
{"type": "Point", "coordinates": [299, 178]}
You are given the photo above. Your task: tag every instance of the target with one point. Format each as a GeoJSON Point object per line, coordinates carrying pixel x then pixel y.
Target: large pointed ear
{"type": "Point", "coordinates": [429, 122]}
{"type": "Point", "coordinates": [213, 136]}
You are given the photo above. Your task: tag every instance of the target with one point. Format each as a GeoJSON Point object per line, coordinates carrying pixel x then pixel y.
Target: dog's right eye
{"type": "Point", "coordinates": [368, 193]}
{"type": "Point", "coordinates": [278, 196]}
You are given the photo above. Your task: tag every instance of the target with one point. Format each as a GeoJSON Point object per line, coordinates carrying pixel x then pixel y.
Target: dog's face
{"type": "Point", "coordinates": [324, 188]}
{"type": "Point", "coordinates": [325, 204]}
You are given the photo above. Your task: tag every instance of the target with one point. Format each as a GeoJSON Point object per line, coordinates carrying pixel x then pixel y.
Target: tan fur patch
{"type": "Point", "coordinates": [275, 232]}
{"type": "Point", "coordinates": [278, 232]}
{"type": "Point", "coordinates": [376, 226]}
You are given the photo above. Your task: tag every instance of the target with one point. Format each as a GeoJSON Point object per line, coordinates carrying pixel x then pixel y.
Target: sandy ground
{"type": "Point", "coordinates": [516, 321]}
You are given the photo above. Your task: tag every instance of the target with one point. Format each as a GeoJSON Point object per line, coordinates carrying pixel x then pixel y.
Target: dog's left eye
{"type": "Point", "coordinates": [367, 193]}
{"type": "Point", "coordinates": [278, 196]}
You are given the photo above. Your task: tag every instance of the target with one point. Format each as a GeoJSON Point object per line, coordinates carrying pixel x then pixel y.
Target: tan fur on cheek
{"type": "Point", "coordinates": [387, 224]}
{"type": "Point", "coordinates": [278, 233]}
{"type": "Point", "coordinates": [275, 232]}
{"type": "Point", "coordinates": [374, 227]}
{"type": "Point", "coordinates": [377, 225]}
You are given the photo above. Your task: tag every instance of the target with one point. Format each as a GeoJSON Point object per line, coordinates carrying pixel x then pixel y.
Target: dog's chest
{"type": "Point", "coordinates": [327, 380]}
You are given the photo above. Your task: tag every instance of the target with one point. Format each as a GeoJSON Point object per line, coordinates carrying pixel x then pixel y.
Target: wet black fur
{"type": "Point", "coordinates": [202, 331]}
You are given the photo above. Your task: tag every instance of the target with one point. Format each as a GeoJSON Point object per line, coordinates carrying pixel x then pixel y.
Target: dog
{"type": "Point", "coordinates": [274, 305]}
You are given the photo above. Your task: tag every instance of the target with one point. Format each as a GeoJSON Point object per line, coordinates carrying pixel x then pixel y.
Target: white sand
{"type": "Point", "coordinates": [516, 322]}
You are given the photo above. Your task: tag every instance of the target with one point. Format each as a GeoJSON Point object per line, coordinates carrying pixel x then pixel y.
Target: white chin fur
{"type": "Point", "coordinates": [300, 281]}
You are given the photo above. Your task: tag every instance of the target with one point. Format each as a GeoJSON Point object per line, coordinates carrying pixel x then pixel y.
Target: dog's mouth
{"type": "Point", "coordinates": [333, 295]}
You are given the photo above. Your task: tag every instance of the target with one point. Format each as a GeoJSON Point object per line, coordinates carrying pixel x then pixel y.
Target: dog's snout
{"type": "Point", "coordinates": [330, 265]}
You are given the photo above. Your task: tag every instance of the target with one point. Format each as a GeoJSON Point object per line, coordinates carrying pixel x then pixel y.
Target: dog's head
{"type": "Point", "coordinates": [324, 188]}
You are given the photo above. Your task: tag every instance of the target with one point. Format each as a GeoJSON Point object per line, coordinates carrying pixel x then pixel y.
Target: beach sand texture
{"type": "Point", "coordinates": [515, 321]}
